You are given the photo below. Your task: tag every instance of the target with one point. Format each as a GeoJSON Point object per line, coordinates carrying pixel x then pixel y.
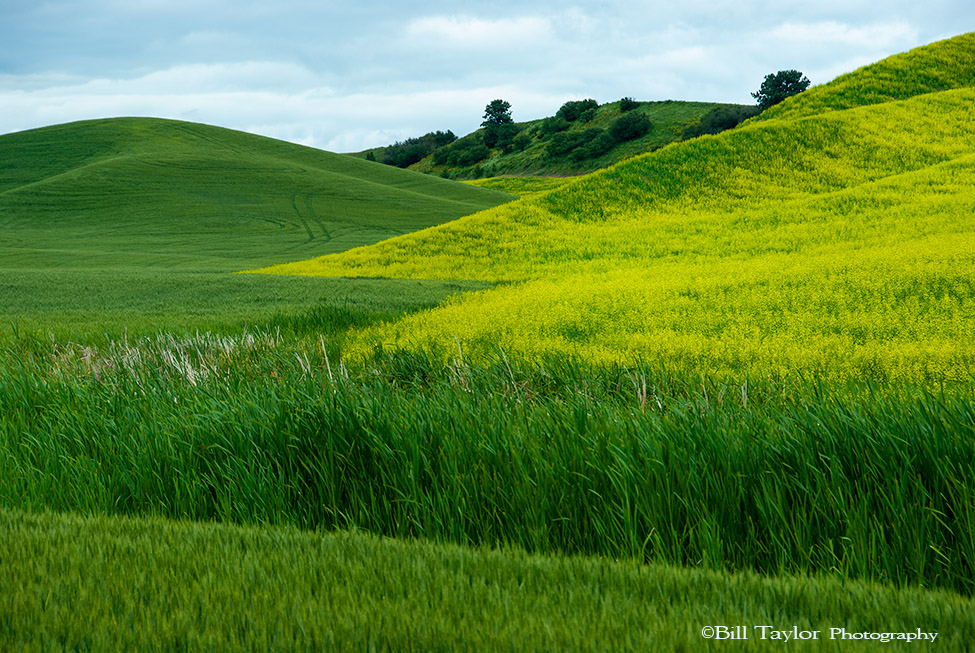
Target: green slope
{"type": "Point", "coordinates": [941, 66]}
{"type": "Point", "coordinates": [108, 584]}
{"type": "Point", "coordinates": [536, 155]}
{"type": "Point", "coordinates": [141, 207]}
{"type": "Point", "coordinates": [840, 242]}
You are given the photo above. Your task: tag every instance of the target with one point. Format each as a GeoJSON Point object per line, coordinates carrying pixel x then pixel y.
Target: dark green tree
{"type": "Point", "coordinates": [499, 126]}
{"type": "Point", "coordinates": [779, 86]}
{"type": "Point", "coordinates": [497, 112]}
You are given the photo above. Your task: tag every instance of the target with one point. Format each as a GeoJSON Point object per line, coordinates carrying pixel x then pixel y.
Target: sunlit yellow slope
{"type": "Point", "coordinates": [941, 66]}
{"type": "Point", "coordinates": [839, 243]}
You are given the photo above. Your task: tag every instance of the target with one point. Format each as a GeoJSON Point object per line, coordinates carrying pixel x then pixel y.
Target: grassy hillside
{"type": "Point", "coordinates": [522, 186]}
{"type": "Point", "coordinates": [554, 147]}
{"type": "Point", "coordinates": [839, 244]}
{"type": "Point", "coordinates": [745, 354]}
{"type": "Point", "coordinates": [143, 216]}
{"type": "Point", "coordinates": [941, 66]}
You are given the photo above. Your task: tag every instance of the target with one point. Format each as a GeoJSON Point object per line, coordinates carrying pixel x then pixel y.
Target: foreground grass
{"type": "Point", "coordinates": [109, 583]}
{"type": "Point", "coordinates": [780, 477]}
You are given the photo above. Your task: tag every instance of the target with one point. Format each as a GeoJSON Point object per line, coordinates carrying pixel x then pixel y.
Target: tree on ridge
{"type": "Point", "coordinates": [779, 86]}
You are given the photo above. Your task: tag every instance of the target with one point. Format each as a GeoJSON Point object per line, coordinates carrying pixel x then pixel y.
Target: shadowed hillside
{"type": "Point", "coordinates": [148, 216]}
{"type": "Point", "coordinates": [174, 194]}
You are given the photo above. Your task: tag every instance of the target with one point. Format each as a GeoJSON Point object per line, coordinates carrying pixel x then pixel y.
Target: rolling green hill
{"type": "Point", "coordinates": [142, 216]}
{"type": "Point", "coordinates": [741, 366]}
{"type": "Point", "coordinates": [838, 243]}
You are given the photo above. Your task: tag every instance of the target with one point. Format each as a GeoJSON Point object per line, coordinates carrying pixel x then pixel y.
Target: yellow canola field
{"type": "Point", "coordinates": [840, 245]}
{"type": "Point", "coordinates": [941, 66]}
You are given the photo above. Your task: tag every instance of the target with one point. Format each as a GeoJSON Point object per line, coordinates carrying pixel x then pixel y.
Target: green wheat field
{"type": "Point", "coordinates": [255, 396]}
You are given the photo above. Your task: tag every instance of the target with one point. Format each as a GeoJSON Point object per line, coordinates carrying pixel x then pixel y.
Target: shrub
{"type": "Point", "coordinates": [554, 125]}
{"type": "Point", "coordinates": [521, 141]}
{"type": "Point", "coordinates": [581, 145]}
{"type": "Point", "coordinates": [462, 153]}
{"type": "Point", "coordinates": [629, 126]}
{"type": "Point", "coordinates": [468, 154]}
{"type": "Point", "coordinates": [564, 142]}
{"type": "Point", "coordinates": [598, 142]}
{"type": "Point", "coordinates": [440, 156]}
{"type": "Point", "coordinates": [628, 104]}
{"type": "Point", "coordinates": [720, 119]}
{"type": "Point", "coordinates": [499, 135]}
{"type": "Point", "coordinates": [573, 110]}
{"type": "Point", "coordinates": [405, 153]}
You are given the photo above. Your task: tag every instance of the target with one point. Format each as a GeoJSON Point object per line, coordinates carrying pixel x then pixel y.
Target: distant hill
{"type": "Point", "coordinates": [556, 146]}
{"type": "Point", "coordinates": [167, 193]}
{"type": "Point", "coordinates": [119, 214]}
{"type": "Point", "coordinates": [835, 237]}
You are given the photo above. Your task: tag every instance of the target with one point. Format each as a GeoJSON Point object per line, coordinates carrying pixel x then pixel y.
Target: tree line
{"type": "Point", "coordinates": [500, 132]}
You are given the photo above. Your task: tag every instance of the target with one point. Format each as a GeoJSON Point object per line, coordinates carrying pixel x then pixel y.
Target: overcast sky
{"type": "Point", "coordinates": [344, 76]}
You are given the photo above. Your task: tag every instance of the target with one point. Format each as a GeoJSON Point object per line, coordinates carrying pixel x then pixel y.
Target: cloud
{"type": "Point", "coordinates": [877, 35]}
{"type": "Point", "coordinates": [346, 76]}
{"type": "Point", "coordinates": [298, 109]}
{"type": "Point", "coordinates": [226, 77]}
{"type": "Point", "coordinates": [469, 32]}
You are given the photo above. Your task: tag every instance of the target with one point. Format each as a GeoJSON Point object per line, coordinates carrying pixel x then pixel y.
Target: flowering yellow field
{"type": "Point", "coordinates": [837, 242]}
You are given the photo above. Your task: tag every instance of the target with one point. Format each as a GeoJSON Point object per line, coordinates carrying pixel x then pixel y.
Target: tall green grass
{"type": "Point", "coordinates": [778, 477]}
{"type": "Point", "coordinates": [112, 584]}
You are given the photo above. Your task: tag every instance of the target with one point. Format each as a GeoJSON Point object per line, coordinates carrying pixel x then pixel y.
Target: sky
{"type": "Point", "coordinates": [346, 76]}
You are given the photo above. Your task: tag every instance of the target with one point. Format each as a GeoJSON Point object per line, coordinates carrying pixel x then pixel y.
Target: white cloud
{"type": "Point", "coordinates": [346, 76]}
{"type": "Point", "coordinates": [226, 76]}
{"type": "Point", "coordinates": [877, 35]}
{"type": "Point", "coordinates": [466, 31]}
{"type": "Point", "coordinates": [317, 116]}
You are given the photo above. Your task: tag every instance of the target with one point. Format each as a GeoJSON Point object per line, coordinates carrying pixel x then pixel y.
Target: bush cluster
{"type": "Point", "coordinates": [462, 153]}
{"type": "Point", "coordinates": [405, 153]}
{"type": "Point", "coordinates": [554, 125]}
{"type": "Point", "coordinates": [500, 136]}
{"type": "Point", "coordinates": [581, 145]}
{"type": "Point", "coordinates": [578, 109]}
{"type": "Point", "coordinates": [594, 142]}
{"type": "Point", "coordinates": [629, 126]}
{"type": "Point", "coordinates": [628, 104]}
{"type": "Point", "coordinates": [720, 119]}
